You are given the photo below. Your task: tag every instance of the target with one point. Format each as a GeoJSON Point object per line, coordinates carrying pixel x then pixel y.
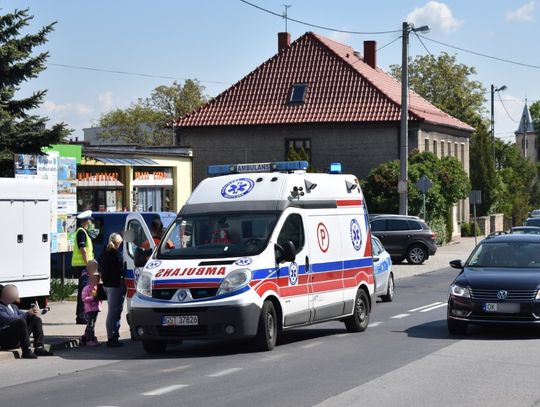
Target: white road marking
{"type": "Point", "coordinates": [174, 369]}
{"type": "Point", "coordinates": [164, 390]}
{"type": "Point", "coordinates": [273, 357]}
{"type": "Point", "coordinates": [224, 372]}
{"type": "Point", "coordinates": [399, 316]}
{"type": "Point", "coordinates": [374, 324]}
{"type": "Point", "coordinates": [432, 308]}
{"type": "Point", "coordinates": [311, 345]}
{"type": "Point", "coordinates": [424, 306]}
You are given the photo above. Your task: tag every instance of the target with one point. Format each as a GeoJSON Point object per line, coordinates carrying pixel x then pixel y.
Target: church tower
{"type": "Point", "coordinates": [526, 142]}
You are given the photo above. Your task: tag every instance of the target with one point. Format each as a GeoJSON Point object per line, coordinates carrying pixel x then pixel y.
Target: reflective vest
{"type": "Point", "coordinates": [77, 259]}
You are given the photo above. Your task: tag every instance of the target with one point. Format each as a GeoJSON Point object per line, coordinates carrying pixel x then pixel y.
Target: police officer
{"type": "Point", "coordinates": [83, 252]}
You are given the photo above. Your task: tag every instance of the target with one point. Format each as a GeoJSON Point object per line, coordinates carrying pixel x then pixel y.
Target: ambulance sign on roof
{"type": "Point", "coordinates": [258, 167]}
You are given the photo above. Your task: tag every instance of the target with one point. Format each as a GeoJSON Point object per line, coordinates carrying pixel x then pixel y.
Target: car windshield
{"type": "Point", "coordinates": [526, 231]}
{"type": "Point", "coordinates": [506, 255]}
{"type": "Point", "coordinates": [218, 235]}
{"type": "Point", "coordinates": [533, 222]}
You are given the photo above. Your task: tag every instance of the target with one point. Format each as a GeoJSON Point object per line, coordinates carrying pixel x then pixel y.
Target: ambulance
{"type": "Point", "coordinates": [257, 249]}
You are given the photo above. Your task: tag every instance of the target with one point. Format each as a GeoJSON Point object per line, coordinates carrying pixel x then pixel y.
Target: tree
{"type": "Point", "coordinates": [482, 168]}
{"type": "Point", "coordinates": [534, 109]}
{"type": "Point", "coordinates": [149, 121]}
{"type": "Point", "coordinates": [20, 130]}
{"type": "Point", "coordinates": [450, 184]}
{"type": "Point", "coordinates": [447, 84]}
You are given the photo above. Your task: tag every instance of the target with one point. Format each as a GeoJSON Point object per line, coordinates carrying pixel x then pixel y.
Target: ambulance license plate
{"type": "Point", "coordinates": [180, 320]}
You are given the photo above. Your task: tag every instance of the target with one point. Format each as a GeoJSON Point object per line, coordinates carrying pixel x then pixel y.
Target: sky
{"type": "Point", "coordinates": [219, 42]}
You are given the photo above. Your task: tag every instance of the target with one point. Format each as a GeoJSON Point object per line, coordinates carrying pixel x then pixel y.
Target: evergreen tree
{"type": "Point", "coordinates": [20, 130]}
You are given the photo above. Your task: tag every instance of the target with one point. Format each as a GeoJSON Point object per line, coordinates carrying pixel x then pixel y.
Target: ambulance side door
{"type": "Point", "coordinates": [292, 277]}
{"type": "Point", "coordinates": [136, 236]}
{"type": "Point", "coordinates": [326, 268]}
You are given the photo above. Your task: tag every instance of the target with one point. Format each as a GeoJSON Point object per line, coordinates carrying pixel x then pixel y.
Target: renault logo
{"type": "Point", "coordinates": [502, 294]}
{"type": "Point", "coordinates": [182, 295]}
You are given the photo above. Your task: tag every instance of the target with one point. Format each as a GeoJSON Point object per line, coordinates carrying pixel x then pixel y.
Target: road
{"type": "Point", "coordinates": [405, 358]}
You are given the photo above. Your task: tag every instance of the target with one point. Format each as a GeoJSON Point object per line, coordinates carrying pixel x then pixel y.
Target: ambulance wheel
{"type": "Point", "coordinates": [389, 296]}
{"type": "Point", "coordinates": [154, 347]}
{"type": "Point", "coordinates": [359, 320]}
{"type": "Point", "coordinates": [268, 328]}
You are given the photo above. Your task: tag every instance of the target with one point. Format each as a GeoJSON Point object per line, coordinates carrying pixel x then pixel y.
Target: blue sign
{"type": "Point", "coordinates": [293, 273]}
{"type": "Point", "coordinates": [237, 188]}
{"type": "Point", "coordinates": [356, 235]}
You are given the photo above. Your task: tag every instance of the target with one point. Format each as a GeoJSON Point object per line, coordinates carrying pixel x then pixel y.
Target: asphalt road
{"type": "Point", "coordinates": [405, 358]}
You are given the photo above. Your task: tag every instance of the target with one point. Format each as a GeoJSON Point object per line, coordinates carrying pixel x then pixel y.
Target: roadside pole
{"type": "Point", "coordinates": [475, 197]}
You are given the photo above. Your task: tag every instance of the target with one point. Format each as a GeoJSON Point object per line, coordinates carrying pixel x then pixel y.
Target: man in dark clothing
{"type": "Point", "coordinates": [16, 325]}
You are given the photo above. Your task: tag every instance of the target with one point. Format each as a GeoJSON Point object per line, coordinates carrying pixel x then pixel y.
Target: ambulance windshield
{"type": "Point", "coordinates": [218, 235]}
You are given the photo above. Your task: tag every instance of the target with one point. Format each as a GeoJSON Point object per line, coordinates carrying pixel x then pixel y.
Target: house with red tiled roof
{"type": "Point", "coordinates": [323, 97]}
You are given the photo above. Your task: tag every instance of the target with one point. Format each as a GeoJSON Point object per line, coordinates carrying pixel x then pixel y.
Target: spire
{"type": "Point", "coordinates": [525, 123]}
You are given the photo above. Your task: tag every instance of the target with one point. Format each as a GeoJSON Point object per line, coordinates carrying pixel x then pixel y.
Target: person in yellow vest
{"type": "Point", "coordinates": [83, 252]}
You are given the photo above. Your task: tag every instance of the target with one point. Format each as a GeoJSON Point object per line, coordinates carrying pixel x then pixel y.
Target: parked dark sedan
{"type": "Point", "coordinates": [535, 230]}
{"type": "Point", "coordinates": [498, 284]}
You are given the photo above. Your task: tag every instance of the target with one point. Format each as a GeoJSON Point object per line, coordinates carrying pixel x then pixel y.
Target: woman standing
{"type": "Point", "coordinates": [112, 271]}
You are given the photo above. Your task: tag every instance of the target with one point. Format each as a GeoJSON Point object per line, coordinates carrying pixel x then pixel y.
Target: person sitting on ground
{"type": "Point", "coordinates": [16, 326]}
{"type": "Point", "coordinates": [92, 305]}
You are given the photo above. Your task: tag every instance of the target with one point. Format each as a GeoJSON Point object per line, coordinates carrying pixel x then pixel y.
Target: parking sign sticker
{"type": "Point", "coordinates": [323, 237]}
{"type": "Point", "coordinates": [356, 235]}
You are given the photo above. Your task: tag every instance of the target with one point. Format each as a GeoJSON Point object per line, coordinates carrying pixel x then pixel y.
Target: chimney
{"type": "Point", "coordinates": [284, 40]}
{"type": "Point", "coordinates": [370, 53]}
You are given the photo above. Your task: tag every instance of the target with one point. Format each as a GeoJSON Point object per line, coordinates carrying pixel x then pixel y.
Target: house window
{"type": "Point", "coordinates": [435, 147]}
{"type": "Point", "coordinates": [298, 93]}
{"type": "Point", "coordinates": [456, 154]}
{"type": "Point", "coordinates": [426, 145]}
{"type": "Point", "coordinates": [442, 149]}
{"type": "Point", "coordinates": [449, 148]}
{"type": "Point", "coordinates": [463, 154]}
{"type": "Point", "coordinates": [298, 149]}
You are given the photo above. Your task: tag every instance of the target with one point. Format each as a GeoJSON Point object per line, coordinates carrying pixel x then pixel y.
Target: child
{"type": "Point", "coordinates": [91, 304]}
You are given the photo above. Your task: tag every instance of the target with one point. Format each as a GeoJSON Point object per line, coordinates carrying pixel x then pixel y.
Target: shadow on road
{"type": "Point", "coordinates": [438, 330]}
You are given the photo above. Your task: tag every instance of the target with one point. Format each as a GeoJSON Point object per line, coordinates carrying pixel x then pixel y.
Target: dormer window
{"type": "Point", "coordinates": [298, 93]}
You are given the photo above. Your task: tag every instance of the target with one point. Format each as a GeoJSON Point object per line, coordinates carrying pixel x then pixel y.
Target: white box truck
{"type": "Point", "coordinates": [25, 210]}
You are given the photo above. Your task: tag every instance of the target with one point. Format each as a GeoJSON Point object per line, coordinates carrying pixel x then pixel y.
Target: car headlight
{"type": "Point", "coordinates": [460, 291]}
{"type": "Point", "coordinates": [236, 280]}
{"type": "Point", "coordinates": [144, 284]}
{"type": "Point", "coordinates": [538, 295]}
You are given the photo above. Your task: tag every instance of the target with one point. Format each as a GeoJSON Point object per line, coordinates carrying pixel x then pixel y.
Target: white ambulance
{"type": "Point", "coordinates": [257, 249]}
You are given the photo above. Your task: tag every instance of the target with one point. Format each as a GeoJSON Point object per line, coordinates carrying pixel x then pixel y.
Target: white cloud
{"type": "Point", "coordinates": [340, 37]}
{"type": "Point", "coordinates": [523, 13]}
{"type": "Point", "coordinates": [106, 101]}
{"type": "Point", "coordinates": [435, 14]}
{"type": "Point", "coordinates": [66, 109]}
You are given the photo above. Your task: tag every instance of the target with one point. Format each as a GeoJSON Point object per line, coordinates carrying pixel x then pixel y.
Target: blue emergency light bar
{"type": "Point", "coordinates": [281, 166]}
{"type": "Point", "coordinates": [335, 168]}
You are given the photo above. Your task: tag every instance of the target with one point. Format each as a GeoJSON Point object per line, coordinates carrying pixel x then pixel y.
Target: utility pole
{"type": "Point", "coordinates": [404, 131]}
{"type": "Point", "coordinates": [493, 90]}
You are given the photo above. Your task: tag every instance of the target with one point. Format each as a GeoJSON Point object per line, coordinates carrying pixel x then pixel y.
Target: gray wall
{"type": "Point", "coordinates": [359, 147]}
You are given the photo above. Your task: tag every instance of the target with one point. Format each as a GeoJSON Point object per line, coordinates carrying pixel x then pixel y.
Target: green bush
{"type": "Point", "coordinates": [438, 226]}
{"type": "Point", "coordinates": [467, 229]}
{"type": "Point", "coordinates": [59, 291]}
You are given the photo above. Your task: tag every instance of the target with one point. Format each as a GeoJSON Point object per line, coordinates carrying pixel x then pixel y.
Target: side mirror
{"type": "Point", "coordinates": [285, 253]}
{"type": "Point", "coordinates": [456, 264]}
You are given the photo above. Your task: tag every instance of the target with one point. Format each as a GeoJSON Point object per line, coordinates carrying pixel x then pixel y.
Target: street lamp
{"type": "Point", "coordinates": [493, 90]}
{"type": "Point", "coordinates": [404, 136]}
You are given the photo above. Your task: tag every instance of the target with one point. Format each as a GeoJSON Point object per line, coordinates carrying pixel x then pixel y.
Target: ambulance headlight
{"type": "Point", "coordinates": [236, 280]}
{"type": "Point", "coordinates": [144, 284]}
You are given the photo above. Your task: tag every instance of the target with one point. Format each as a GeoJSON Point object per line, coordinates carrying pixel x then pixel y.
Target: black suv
{"type": "Point", "coordinates": [404, 237]}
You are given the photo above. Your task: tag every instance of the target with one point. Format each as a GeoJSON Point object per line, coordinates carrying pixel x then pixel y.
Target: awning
{"type": "Point", "coordinates": [125, 161]}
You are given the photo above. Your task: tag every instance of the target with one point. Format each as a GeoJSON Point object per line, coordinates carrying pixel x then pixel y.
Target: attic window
{"type": "Point", "coordinates": [298, 93]}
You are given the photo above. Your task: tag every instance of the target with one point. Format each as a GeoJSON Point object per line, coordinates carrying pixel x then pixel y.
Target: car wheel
{"type": "Point", "coordinates": [457, 327]}
{"type": "Point", "coordinates": [389, 296]}
{"type": "Point", "coordinates": [268, 328]}
{"type": "Point", "coordinates": [417, 254]}
{"type": "Point", "coordinates": [154, 347]}
{"type": "Point", "coordinates": [359, 320]}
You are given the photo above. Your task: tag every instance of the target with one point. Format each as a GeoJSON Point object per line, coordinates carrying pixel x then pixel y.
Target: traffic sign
{"type": "Point", "coordinates": [424, 184]}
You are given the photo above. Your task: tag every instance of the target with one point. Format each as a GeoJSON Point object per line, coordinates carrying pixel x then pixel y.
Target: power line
{"type": "Point", "coordinates": [481, 54]}
{"type": "Point", "coordinates": [424, 45]}
{"type": "Point", "coordinates": [88, 68]}
{"type": "Point", "coordinates": [316, 25]}
{"type": "Point", "coordinates": [388, 43]}
{"type": "Point", "coordinates": [504, 107]}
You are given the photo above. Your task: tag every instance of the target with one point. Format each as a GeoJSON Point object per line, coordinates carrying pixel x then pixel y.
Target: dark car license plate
{"type": "Point", "coordinates": [503, 308]}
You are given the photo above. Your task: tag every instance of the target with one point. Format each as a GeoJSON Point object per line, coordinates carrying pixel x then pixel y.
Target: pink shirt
{"type": "Point", "coordinates": [90, 302]}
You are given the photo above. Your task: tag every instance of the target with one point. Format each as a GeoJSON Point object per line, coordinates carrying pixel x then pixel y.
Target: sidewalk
{"type": "Point", "coordinates": [460, 248]}
{"type": "Point", "coordinates": [61, 331]}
